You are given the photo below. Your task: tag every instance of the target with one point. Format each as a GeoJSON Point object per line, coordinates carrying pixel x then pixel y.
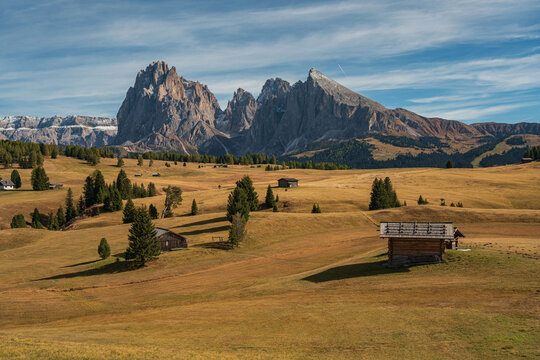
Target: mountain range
{"type": "Point", "coordinates": [163, 111]}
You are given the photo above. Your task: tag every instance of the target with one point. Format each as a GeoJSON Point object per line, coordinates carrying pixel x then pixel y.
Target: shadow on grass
{"type": "Point", "coordinates": [111, 268]}
{"type": "Point", "coordinates": [204, 231]}
{"type": "Point", "coordinates": [82, 263]}
{"type": "Point", "coordinates": [205, 222]}
{"type": "Point", "coordinates": [353, 271]}
{"type": "Point", "coordinates": [219, 245]}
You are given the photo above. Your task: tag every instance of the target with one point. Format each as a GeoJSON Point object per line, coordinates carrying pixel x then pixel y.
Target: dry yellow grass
{"type": "Point", "coordinates": [304, 286]}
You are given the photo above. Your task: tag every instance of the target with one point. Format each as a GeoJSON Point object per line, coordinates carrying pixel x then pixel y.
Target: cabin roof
{"type": "Point", "coordinates": [161, 231]}
{"type": "Point", "coordinates": [6, 183]}
{"type": "Point", "coordinates": [420, 230]}
{"type": "Point", "coordinates": [289, 179]}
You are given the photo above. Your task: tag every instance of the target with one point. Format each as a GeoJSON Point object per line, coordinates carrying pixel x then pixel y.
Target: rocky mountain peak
{"type": "Point", "coordinates": [273, 88]}
{"type": "Point", "coordinates": [239, 113]}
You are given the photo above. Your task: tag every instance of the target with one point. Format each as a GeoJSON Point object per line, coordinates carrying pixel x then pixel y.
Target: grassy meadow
{"type": "Point", "coordinates": [303, 286]}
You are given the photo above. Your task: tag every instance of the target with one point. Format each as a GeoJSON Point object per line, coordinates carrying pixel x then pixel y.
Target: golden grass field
{"type": "Point", "coordinates": [303, 286]}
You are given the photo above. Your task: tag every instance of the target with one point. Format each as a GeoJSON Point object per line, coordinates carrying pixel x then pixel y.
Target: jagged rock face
{"type": "Point", "coordinates": [70, 130]}
{"type": "Point", "coordinates": [165, 111]}
{"type": "Point", "coordinates": [239, 113]}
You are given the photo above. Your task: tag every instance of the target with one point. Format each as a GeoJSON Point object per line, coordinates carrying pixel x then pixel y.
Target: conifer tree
{"type": "Point", "coordinates": [269, 200]}
{"type": "Point", "coordinates": [449, 164]}
{"type": "Point", "coordinates": [18, 221]}
{"type": "Point", "coordinates": [277, 198]}
{"type": "Point", "coordinates": [238, 203]}
{"type": "Point", "coordinates": [143, 243]}
{"type": "Point", "coordinates": [36, 220]}
{"type": "Point", "coordinates": [80, 205]}
{"type": "Point", "coordinates": [16, 178]}
{"type": "Point", "coordinates": [70, 209]}
{"type": "Point", "coordinates": [39, 179]}
{"type": "Point", "coordinates": [238, 232]}
{"type": "Point", "coordinates": [120, 162]}
{"type": "Point", "coordinates": [422, 201]}
{"type": "Point", "coordinates": [274, 208]}
{"type": "Point", "coordinates": [151, 189]}
{"type": "Point", "coordinates": [61, 218]}
{"type": "Point", "coordinates": [139, 160]}
{"type": "Point", "coordinates": [194, 208]}
{"type": "Point", "coordinates": [52, 222]}
{"type": "Point", "coordinates": [104, 250]}
{"type": "Point", "coordinates": [116, 200]}
{"type": "Point", "coordinates": [129, 212]}
{"type": "Point", "coordinates": [123, 184]}
{"type": "Point", "coordinates": [100, 187]}
{"type": "Point", "coordinates": [151, 163]}
{"type": "Point", "coordinates": [173, 198]}
{"type": "Point", "coordinates": [54, 152]}
{"type": "Point", "coordinates": [152, 210]}
{"type": "Point", "coordinates": [252, 197]}
{"type": "Point", "coordinates": [316, 209]}
{"type": "Point", "coordinates": [88, 190]}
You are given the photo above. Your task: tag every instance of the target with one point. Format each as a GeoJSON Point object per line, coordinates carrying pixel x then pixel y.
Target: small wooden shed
{"type": "Point", "coordinates": [170, 240]}
{"type": "Point", "coordinates": [56, 186]}
{"type": "Point", "coordinates": [287, 182]}
{"type": "Point", "coordinates": [7, 185]}
{"type": "Point", "coordinates": [412, 243]}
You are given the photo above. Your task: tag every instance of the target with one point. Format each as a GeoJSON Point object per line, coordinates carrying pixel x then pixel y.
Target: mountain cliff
{"type": "Point", "coordinates": [239, 113]}
{"type": "Point", "coordinates": [70, 130]}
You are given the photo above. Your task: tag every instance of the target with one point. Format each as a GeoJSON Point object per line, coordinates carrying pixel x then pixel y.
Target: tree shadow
{"type": "Point", "coordinates": [204, 231]}
{"type": "Point", "coordinates": [218, 245]}
{"type": "Point", "coordinates": [111, 268]}
{"type": "Point", "coordinates": [205, 222]}
{"type": "Point", "coordinates": [353, 271]}
{"type": "Point", "coordinates": [82, 263]}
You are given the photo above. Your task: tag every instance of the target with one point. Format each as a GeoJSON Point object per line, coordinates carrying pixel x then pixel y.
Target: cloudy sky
{"type": "Point", "coordinates": [465, 60]}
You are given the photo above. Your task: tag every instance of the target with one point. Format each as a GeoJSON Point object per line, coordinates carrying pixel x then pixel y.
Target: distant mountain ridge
{"type": "Point", "coordinates": [163, 111]}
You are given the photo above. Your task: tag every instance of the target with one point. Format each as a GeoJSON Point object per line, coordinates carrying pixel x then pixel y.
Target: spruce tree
{"type": "Point", "coordinates": [18, 221]}
{"type": "Point", "coordinates": [71, 212]}
{"type": "Point", "coordinates": [123, 184]}
{"type": "Point", "coordinates": [120, 162]}
{"type": "Point", "coordinates": [129, 212]}
{"type": "Point", "coordinates": [449, 164]}
{"type": "Point", "coordinates": [88, 190]}
{"type": "Point", "coordinates": [61, 217]}
{"type": "Point", "coordinates": [269, 200]}
{"type": "Point", "coordinates": [116, 200]}
{"type": "Point", "coordinates": [152, 211]}
{"type": "Point", "coordinates": [36, 220]}
{"type": "Point", "coordinates": [54, 152]}
{"type": "Point", "coordinates": [139, 160]}
{"type": "Point", "coordinates": [238, 232]}
{"type": "Point", "coordinates": [252, 197]}
{"type": "Point", "coordinates": [143, 243]}
{"type": "Point", "coordinates": [151, 189]}
{"type": "Point", "coordinates": [104, 250]}
{"type": "Point", "coordinates": [100, 187]}
{"type": "Point", "coordinates": [316, 209]}
{"type": "Point", "coordinates": [173, 198]}
{"type": "Point", "coordinates": [274, 208]}
{"type": "Point", "coordinates": [52, 222]}
{"type": "Point", "coordinates": [80, 205]}
{"type": "Point", "coordinates": [151, 163]}
{"type": "Point", "coordinates": [39, 179]}
{"type": "Point", "coordinates": [194, 208]}
{"type": "Point", "coordinates": [238, 203]}
{"type": "Point", "coordinates": [16, 178]}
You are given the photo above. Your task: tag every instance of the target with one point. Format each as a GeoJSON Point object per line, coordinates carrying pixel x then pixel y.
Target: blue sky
{"type": "Point", "coordinates": [466, 60]}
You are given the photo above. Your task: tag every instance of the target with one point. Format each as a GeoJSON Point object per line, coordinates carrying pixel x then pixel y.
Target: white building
{"type": "Point", "coordinates": [7, 185]}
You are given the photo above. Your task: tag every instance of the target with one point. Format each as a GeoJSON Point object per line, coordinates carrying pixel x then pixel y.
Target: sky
{"type": "Point", "coordinates": [473, 60]}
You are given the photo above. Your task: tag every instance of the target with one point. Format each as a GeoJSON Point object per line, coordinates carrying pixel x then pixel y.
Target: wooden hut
{"type": "Point", "coordinates": [56, 186]}
{"type": "Point", "coordinates": [7, 185]}
{"type": "Point", "coordinates": [287, 182]}
{"type": "Point", "coordinates": [170, 240]}
{"type": "Point", "coordinates": [418, 243]}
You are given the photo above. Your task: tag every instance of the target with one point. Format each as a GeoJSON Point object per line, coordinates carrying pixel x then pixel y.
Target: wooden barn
{"type": "Point", "coordinates": [287, 182]}
{"type": "Point", "coordinates": [418, 243]}
{"type": "Point", "coordinates": [170, 240]}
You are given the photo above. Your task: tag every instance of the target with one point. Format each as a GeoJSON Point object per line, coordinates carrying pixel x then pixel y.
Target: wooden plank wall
{"type": "Point", "coordinates": [400, 246]}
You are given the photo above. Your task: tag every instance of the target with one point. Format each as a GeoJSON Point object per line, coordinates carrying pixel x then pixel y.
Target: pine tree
{"type": "Point", "coordinates": [377, 194]}
{"type": "Point", "coordinates": [449, 164]}
{"type": "Point", "coordinates": [116, 200]}
{"type": "Point", "coordinates": [52, 222]}
{"type": "Point", "coordinates": [104, 250]}
{"type": "Point", "coordinates": [277, 198]}
{"type": "Point", "coordinates": [120, 162]}
{"type": "Point", "coordinates": [422, 201]}
{"type": "Point", "coordinates": [54, 152]}
{"type": "Point", "coordinates": [151, 189]}
{"type": "Point", "coordinates": [194, 208]}
{"type": "Point", "coordinates": [139, 160]}
{"type": "Point", "coordinates": [89, 195]}
{"type": "Point", "coordinates": [152, 211]}
{"type": "Point", "coordinates": [100, 187]}
{"type": "Point", "coordinates": [39, 179]}
{"type": "Point", "coordinates": [173, 198]}
{"type": "Point", "coordinates": [184, 164]}
{"type": "Point", "coordinates": [36, 220]}
{"type": "Point", "coordinates": [238, 232]}
{"type": "Point", "coordinates": [70, 209]}
{"type": "Point", "coordinates": [143, 243]}
{"type": "Point", "coordinates": [269, 200]}
{"type": "Point", "coordinates": [238, 203]}
{"type": "Point", "coordinates": [61, 217]}
{"type": "Point", "coordinates": [16, 178]}
{"type": "Point", "coordinates": [80, 205]}
{"type": "Point", "coordinates": [252, 197]}
{"type": "Point", "coordinates": [274, 208]}
{"type": "Point", "coordinates": [316, 209]}
{"type": "Point", "coordinates": [18, 221]}
{"type": "Point", "coordinates": [151, 163]}
{"type": "Point", "coordinates": [129, 212]}
{"type": "Point", "coordinates": [123, 184]}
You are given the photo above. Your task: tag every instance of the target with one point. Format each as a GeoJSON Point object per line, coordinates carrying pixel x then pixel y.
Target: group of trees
{"type": "Point", "coordinates": [91, 155]}
{"type": "Point", "coordinates": [383, 195]}
{"type": "Point", "coordinates": [27, 155]}
{"type": "Point", "coordinates": [242, 200]}
{"type": "Point", "coordinates": [533, 153]}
